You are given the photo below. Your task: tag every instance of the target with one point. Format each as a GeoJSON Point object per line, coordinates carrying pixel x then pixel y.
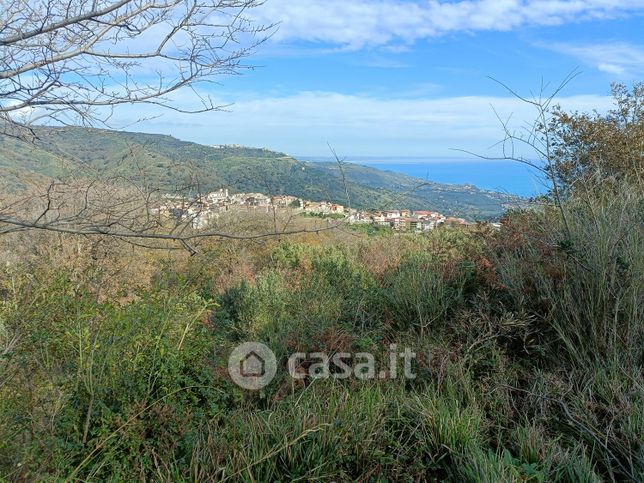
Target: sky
{"type": "Point", "coordinates": [412, 78]}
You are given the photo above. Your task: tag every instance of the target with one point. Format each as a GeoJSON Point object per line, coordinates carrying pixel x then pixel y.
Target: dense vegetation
{"type": "Point", "coordinates": [168, 164]}
{"type": "Point", "coordinates": [530, 343]}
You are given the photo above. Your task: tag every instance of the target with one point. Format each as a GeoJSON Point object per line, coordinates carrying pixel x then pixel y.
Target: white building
{"type": "Point", "coordinates": [217, 197]}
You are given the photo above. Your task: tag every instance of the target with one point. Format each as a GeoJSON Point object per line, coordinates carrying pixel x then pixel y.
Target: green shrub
{"type": "Point", "coordinates": [109, 386]}
{"type": "Point", "coordinates": [584, 277]}
{"type": "Point", "coordinates": [528, 362]}
{"type": "Point", "coordinates": [420, 294]}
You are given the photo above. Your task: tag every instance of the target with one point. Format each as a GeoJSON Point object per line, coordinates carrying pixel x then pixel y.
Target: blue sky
{"type": "Point", "coordinates": [410, 78]}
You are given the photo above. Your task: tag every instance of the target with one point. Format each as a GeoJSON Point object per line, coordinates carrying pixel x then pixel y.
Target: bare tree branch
{"type": "Point", "coordinates": [536, 137]}
{"type": "Point", "coordinates": [72, 62]}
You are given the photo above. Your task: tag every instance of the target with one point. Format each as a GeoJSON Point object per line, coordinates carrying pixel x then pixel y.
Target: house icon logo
{"type": "Point", "coordinates": [252, 365]}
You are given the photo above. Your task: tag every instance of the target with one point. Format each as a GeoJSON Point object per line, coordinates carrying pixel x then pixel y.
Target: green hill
{"type": "Point", "coordinates": [167, 163]}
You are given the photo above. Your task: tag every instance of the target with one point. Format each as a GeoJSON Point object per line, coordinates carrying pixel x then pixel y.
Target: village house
{"type": "Point", "coordinates": [428, 224]}
{"type": "Point", "coordinates": [256, 200]}
{"type": "Point", "coordinates": [202, 219]}
{"type": "Point", "coordinates": [413, 224]}
{"type": "Point", "coordinates": [422, 214]}
{"type": "Point", "coordinates": [321, 207]}
{"type": "Point", "coordinates": [284, 200]}
{"type": "Point", "coordinates": [378, 218]}
{"type": "Point", "coordinates": [359, 217]}
{"type": "Point", "coordinates": [337, 209]}
{"type": "Point", "coordinates": [398, 223]}
{"type": "Point", "coordinates": [218, 197]}
{"type": "Point", "coordinates": [404, 223]}
{"type": "Point", "coordinates": [237, 198]}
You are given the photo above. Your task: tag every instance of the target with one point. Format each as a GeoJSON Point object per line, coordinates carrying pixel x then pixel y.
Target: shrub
{"type": "Point", "coordinates": [108, 386]}
{"type": "Point", "coordinates": [585, 278]}
{"type": "Point", "coordinates": [422, 292]}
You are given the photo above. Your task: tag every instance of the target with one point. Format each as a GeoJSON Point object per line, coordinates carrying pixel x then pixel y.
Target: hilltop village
{"type": "Point", "coordinates": [201, 210]}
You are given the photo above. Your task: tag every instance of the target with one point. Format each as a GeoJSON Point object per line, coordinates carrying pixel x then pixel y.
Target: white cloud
{"type": "Point", "coordinates": [619, 59]}
{"type": "Point", "coordinates": [360, 125]}
{"type": "Point", "coordinates": [360, 23]}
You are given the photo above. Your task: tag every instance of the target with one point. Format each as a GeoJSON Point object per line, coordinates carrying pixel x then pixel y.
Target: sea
{"type": "Point", "coordinates": [504, 176]}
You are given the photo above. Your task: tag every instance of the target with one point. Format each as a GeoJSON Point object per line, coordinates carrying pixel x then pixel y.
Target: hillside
{"type": "Point", "coordinates": [168, 163]}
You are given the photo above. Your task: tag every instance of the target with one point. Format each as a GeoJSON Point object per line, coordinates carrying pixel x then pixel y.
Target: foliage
{"type": "Point", "coordinates": [529, 344]}
{"type": "Point", "coordinates": [593, 149]}
{"type": "Point", "coordinates": [330, 216]}
{"type": "Point", "coordinates": [528, 366]}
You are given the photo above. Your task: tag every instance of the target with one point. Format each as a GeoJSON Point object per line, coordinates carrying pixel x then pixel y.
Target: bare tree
{"type": "Point", "coordinates": [74, 61]}
{"type": "Point", "coordinates": [116, 208]}
{"type": "Point", "coordinates": [536, 137]}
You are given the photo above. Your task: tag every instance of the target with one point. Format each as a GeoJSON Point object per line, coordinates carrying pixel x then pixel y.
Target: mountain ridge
{"type": "Point", "coordinates": [169, 163]}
